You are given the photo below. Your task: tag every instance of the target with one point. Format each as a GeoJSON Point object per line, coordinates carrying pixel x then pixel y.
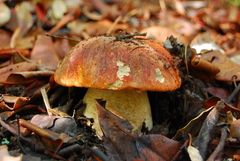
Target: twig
{"type": "Point", "coordinates": [99, 153]}
{"type": "Point", "coordinates": [186, 60]}
{"type": "Point", "coordinates": [18, 135]}
{"type": "Point", "coordinates": [114, 24]}
{"type": "Point", "coordinates": [220, 145]}
{"type": "Point", "coordinates": [206, 132]}
{"type": "Point", "coordinates": [235, 91]}
{"type": "Point", "coordinates": [122, 36]}
{"type": "Point", "coordinates": [46, 101]}
{"type": "Point", "coordinates": [55, 36]}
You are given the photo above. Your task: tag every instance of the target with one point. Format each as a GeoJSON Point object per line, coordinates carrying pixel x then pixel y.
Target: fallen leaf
{"type": "Point", "coordinates": [5, 156]}
{"type": "Point", "coordinates": [221, 93]}
{"type": "Point", "coordinates": [193, 126]}
{"type": "Point", "coordinates": [228, 68]}
{"type": "Point", "coordinates": [57, 124]}
{"type": "Point", "coordinates": [147, 154]}
{"type": "Point", "coordinates": [43, 51]}
{"type": "Point", "coordinates": [149, 147]}
{"type": "Point", "coordinates": [115, 140]}
{"type": "Point", "coordinates": [28, 77]}
{"type": "Point", "coordinates": [203, 42]}
{"type": "Point", "coordinates": [4, 39]}
{"type": "Point", "coordinates": [95, 27]}
{"type": "Point", "coordinates": [161, 33]}
{"type": "Point", "coordinates": [217, 65]}
{"type": "Point", "coordinates": [24, 16]}
{"type": "Point", "coordinates": [235, 128]}
{"type": "Point", "coordinates": [24, 66]}
{"type": "Point", "coordinates": [161, 145]}
{"type": "Point", "coordinates": [16, 101]}
{"type": "Point", "coordinates": [206, 132]}
{"type": "Point", "coordinates": [5, 14]}
{"type": "Point", "coordinates": [202, 68]}
{"type": "Point", "coordinates": [194, 154]}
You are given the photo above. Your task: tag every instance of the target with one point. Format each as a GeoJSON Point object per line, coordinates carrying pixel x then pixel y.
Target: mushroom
{"type": "Point", "coordinates": [120, 71]}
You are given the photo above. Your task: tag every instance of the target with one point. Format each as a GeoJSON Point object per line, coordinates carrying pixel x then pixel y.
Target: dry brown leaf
{"type": "Point", "coordinates": [43, 51]}
{"type": "Point", "coordinates": [70, 16]}
{"type": "Point", "coordinates": [161, 33]}
{"type": "Point", "coordinates": [204, 67]}
{"type": "Point", "coordinates": [118, 145]}
{"type": "Point", "coordinates": [57, 124]}
{"type": "Point", "coordinates": [28, 76]}
{"type": "Point", "coordinates": [106, 10]}
{"type": "Point", "coordinates": [193, 126]}
{"type": "Point", "coordinates": [221, 93]}
{"type": "Point", "coordinates": [207, 130]}
{"type": "Point", "coordinates": [51, 140]}
{"type": "Point", "coordinates": [235, 128]}
{"type": "Point", "coordinates": [205, 42]}
{"type": "Point", "coordinates": [5, 13]}
{"type": "Point", "coordinates": [228, 68]}
{"type": "Point", "coordinates": [194, 154]}
{"type": "Point", "coordinates": [96, 27]}
{"type": "Point", "coordinates": [4, 39]}
{"type": "Point", "coordinates": [161, 145]}
{"type": "Point", "coordinates": [62, 47]}
{"type": "Point", "coordinates": [16, 101]}
{"type": "Point", "coordinates": [22, 43]}
{"type": "Point", "coordinates": [148, 154]}
{"type": "Point", "coordinates": [24, 66]}
{"type": "Point", "coordinates": [25, 18]}
{"type": "Point", "coordinates": [149, 147]}
{"type": "Point", "coordinates": [5, 156]}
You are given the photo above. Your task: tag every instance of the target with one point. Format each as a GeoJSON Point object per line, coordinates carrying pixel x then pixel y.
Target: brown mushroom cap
{"type": "Point", "coordinates": [102, 62]}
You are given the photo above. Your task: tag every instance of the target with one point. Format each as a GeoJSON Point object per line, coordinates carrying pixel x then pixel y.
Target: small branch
{"type": "Point", "coordinates": [220, 145]}
{"type": "Point", "coordinates": [99, 153]}
{"type": "Point", "coordinates": [55, 36]}
{"type": "Point", "coordinates": [235, 91]}
{"type": "Point", "coordinates": [122, 36]}
{"type": "Point", "coordinates": [46, 101]}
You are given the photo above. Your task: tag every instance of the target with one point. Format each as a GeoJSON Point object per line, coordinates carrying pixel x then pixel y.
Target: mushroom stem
{"type": "Point", "coordinates": [127, 104]}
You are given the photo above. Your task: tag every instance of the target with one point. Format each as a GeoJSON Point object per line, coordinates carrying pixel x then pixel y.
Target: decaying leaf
{"type": "Point", "coordinates": [161, 33]}
{"type": "Point", "coordinates": [16, 101]}
{"type": "Point", "coordinates": [226, 69]}
{"type": "Point", "coordinates": [5, 39]}
{"type": "Point", "coordinates": [193, 126]}
{"type": "Point", "coordinates": [235, 128]}
{"type": "Point", "coordinates": [24, 16]}
{"type": "Point", "coordinates": [194, 154]}
{"type": "Point", "coordinates": [202, 43]}
{"type": "Point", "coordinates": [28, 77]}
{"type": "Point", "coordinates": [24, 66]}
{"type": "Point", "coordinates": [221, 93]}
{"type": "Point", "coordinates": [5, 14]}
{"type": "Point", "coordinates": [44, 52]}
{"type": "Point", "coordinates": [57, 124]}
{"type": "Point", "coordinates": [114, 139]}
{"type": "Point", "coordinates": [149, 147]}
{"type": "Point", "coordinates": [202, 68]}
{"type": "Point", "coordinates": [5, 156]}
{"type": "Point", "coordinates": [28, 59]}
{"type": "Point", "coordinates": [165, 148]}
{"type": "Point", "coordinates": [206, 132]}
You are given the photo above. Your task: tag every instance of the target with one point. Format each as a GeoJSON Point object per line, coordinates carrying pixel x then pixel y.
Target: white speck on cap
{"type": "Point", "coordinates": [159, 75]}
{"type": "Point", "coordinates": [123, 70]}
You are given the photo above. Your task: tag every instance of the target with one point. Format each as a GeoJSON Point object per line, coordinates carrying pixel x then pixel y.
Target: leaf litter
{"type": "Point", "coordinates": [205, 107]}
